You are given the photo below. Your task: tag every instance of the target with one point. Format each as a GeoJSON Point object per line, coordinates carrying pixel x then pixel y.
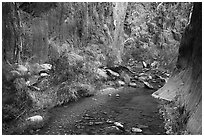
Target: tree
{"type": "Point", "coordinates": [119, 12]}
{"type": "Point", "coordinates": [11, 28]}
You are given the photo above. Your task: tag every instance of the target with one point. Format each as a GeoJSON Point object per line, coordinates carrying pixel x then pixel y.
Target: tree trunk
{"type": "Point", "coordinates": [40, 40]}
{"type": "Point", "coordinates": [85, 24]}
{"type": "Point", "coordinates": [19, 35]}
{"type": "Point", "coordinates": [61, 22]}
{"type": "Point", "coordinates": [185, 86]}
{"type": "Point", "coordinates": [119, 12]}
{"type": "Point", "coordinates": [11, 28]}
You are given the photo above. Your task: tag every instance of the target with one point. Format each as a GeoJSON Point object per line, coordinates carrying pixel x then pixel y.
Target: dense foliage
{"type": "Point", "coordinates": [76, 39]}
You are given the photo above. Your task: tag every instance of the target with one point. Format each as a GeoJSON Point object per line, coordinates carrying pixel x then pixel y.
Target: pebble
{"type": "Point", "coordinates": [167, 74]}
{"type": "Point", "coordinates": [98, 123]}
{"type": "Point", "coordinates": [121, 83]}
{"type": "Point", "coordinates": [136, 130]}
{"type": "Point", "coordinates": [87, 118]}
{"type": "Point", "coordinates": [78, 121]}
{"type": "Point", "coordinates": [133, 84]}
{"type": "Point", "coordinates": [60, 126]}
{"type": "Point", "coordinates": [86, 115]}
{"type": "Point", "coordinates": [109, 121]}
{"type": "Point", "coordinates": [118, 124]}
{"type": "Point", "coordinates": [90, 123]}
{"type": "Point", "coordinates": [112, 129]}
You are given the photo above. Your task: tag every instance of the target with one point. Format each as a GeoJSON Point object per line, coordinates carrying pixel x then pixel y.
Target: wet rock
{"type": "Point", "coordinates": [32, 80]}
{"type": "Point", "coordinates": [79, 121]}
{"type": "Point", "coordinates": [125, 77]}
{"type": "Point", "coordinates": [98, 123]}
{"type": "Point", "coordinates": [109, 121]}
{"type": "Point", "coordinates": [141, 74]}
{"type": "Point", "coordinates": [118, 124]}
{"type": "Point", "coordinates": [94, 99]}
{"type": "Point", "coordinates": [44, 74]}
{"type": "Point", "coordinates": [36, 118]}
{"type": "Point", "coordinates": [147, 85]}
{"type": "Point", "coordinates": [60, 126]}
{"type": "Point", "coordinates": [110, 72]}
{"type": "Point", "coordinates": [144, 64]}
{"type": "Point", "coordinates": [90, 123]}
{"type": "Point", "coordinates": [167, 74]}
{"type": "Point", "coordinates": [141, 78]}
{"type": "Point", "coordinates": [110, 83]}
{"type": "Point", "coordinates": [117, 95]}
{"type": "Point", "coordinates": [87, 115]}
{"type": "Point", "coordinates": [136, 130]}
{"type": "Point", "coordinates": [87, 118]}
{"type": "Point", "coordinates": [112, 129]}
{"type": "Point", "coordinates": [102, 73]}
{"type": "Point", "coordinates": [132, 84]}
{"type": "Point", "coordinates": [108, 90]}
{"type": "Point", "coordinates": [121, 83]}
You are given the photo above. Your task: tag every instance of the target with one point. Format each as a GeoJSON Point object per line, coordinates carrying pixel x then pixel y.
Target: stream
{"type": "Point", "coordinates": [97, 115]}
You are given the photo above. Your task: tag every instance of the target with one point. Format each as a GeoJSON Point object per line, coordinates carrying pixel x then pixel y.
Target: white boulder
{"type": "Point", "coordinates": [36, 118]}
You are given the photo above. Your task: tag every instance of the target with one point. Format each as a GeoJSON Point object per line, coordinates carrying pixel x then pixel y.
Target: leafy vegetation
{"type": "Point", "coordinates": [75, 40]}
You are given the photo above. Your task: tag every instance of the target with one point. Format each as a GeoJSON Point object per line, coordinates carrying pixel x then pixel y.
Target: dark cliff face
{"type": "Point", "coordinates": [190, 50]}
{"type": "Point", "coordinates": [185, 85]}
{"type": "Point", "coordinates": [190, 60]}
